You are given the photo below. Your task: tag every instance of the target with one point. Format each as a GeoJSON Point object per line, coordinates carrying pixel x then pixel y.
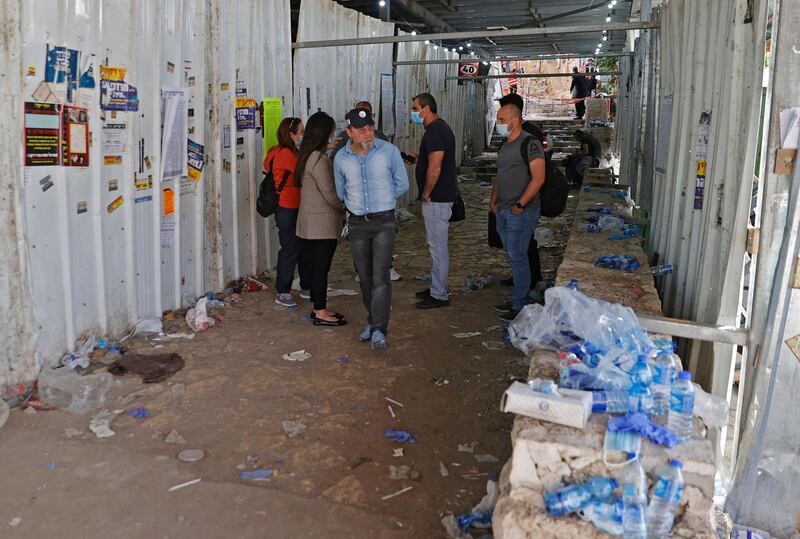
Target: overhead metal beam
{"type": "Point", "coordinates": [431, 19]}
{"type": "Point", "coordinates": [456, 36]}
{"type": "Point", "coordinates": [693, 330]}
{"type": "Point", "coordinates": [515, 58]}
{"type": "Point", "coordinates": [532, 75]}
{"type": "Point", "coordinates": [572, 12]}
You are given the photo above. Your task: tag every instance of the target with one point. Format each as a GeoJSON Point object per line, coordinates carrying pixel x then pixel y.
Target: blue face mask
{"type": "Point", "coordinates": [416, 118]}
{"type": "Point", "coordinates": [502, 130]}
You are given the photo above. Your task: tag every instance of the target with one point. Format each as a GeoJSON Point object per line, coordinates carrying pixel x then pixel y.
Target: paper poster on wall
{"type": "Point", "coordinates": [188, 187]}
{"type": "Point", "coordinates": [273, 114]}
{"type": "Point", "coordinates": [701, 155]}
{"type": "Point", "coordinates": [245, 113]}
{"type": "Point", "coordinates": [174, 130]}
{"type": "Point", "coordinates": [61, 67]}
{"type": "Point", "coordinates": [115, 93]}
{"type": "Point", "coordinates": [115, 139]}
{"type": "Point", "coordinates": [42, 135]}
{"type": "Point", "coordinates": [75, 137]}
{"type": "Point", "coordinates": [401, 116]}
{"type": "Point", "coordinates": [196, 160]}
{"type": "Point", "coordinates": [664, 131]}
{"type": "Point", "coordinates": [169, 201]}
{"type": "Point", "coordinates": [167, 231]}
{"type": "Point", "coordinates": [387, 104]}
{"type": "Point", "coordinates": [226, 136]}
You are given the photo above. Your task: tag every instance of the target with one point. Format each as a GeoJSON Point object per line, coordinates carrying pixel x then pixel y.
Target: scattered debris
{"type": "Point", "coordinates": [261, 474]}
{"type": "Point", "coordinates": [440, 381]}
{"type": "Point", "coordinates": [191, 455]}
{"type": "Point", "coordinates": [423, 277]}
{"type": "Point", "coordinates": [343, 360]}
{"type": "Point", "coordinates": [182, 485]}
{"type": "Point", "coordinates": [443, 469]}
{"type": "Point", "coordinates": [148, 325]}
{"type": "Point", "coordinates": [130, 397]}
{"type": "Point", "coordinates": [14, 522]}
{"type": "Point", "coordinates": [467, 448]}
{"type": "Point", "coordinates": [494, 328]}
{"type": "Point", "coordinates": [174, 437]}
{"type": "Point", "coordinates": [403, 215]}
{"type": "Point", "coordinates": [140, 412]}
{"type": "Point", "coordinates": [452, 529]}
{"type": "Point", "coordinates": [394, 402]}
{"type": "Point", "coordinates": [476, 283]}
{"type": "Point", "coordinates": [399, 436]}
{"type": "Point", "coordinates": [397, 452]}
{"type": "Point", "coordinates": [181, 335]}
{"type": "Point", "coordinates": [293, 428]}
{"type": "Point", "coordinates": [178, 389]}
{"type": "Point", "coordinates": [486, 458]}
{"type": "Point", "coordinates": [398, 493]}
{"type": "Point", "coordinates": [299, 355]}
{"type": "Point", "coordinates": [399, 472]}
{"type": "Point", "coordinates": [100, 424]}
{"type": "Point", "coordinates": [72, 432]}
{"type": "Point", "coordinates": [50, 466]}
{"type": "Point", "coordinates": [153, 368]}
{"type": "Point", "coordinates": [466, 335]}
{"type": "Point", "coordinates": [246, 285]}
{"type": "Point", "coordinates": [391, 411]}
{"type": "Point", "coordinates": [493, 345]}
{"type": "Point", "coordinates": [197, 317]}
{"type": "Point", "coordinates": [335, 292]}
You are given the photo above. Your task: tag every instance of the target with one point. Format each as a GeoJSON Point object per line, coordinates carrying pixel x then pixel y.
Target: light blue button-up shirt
{"type": "Point", "coordinates": [370, 183]}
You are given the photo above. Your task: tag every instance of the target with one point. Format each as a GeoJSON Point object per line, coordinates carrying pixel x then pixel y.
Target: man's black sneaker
{"type": "Point", "coordinates": [504, 307]}
{"type": "Point", "coordinates": [509, 316]}
{"type": "Point", "coordinates": [431, 303]}
{"type": "Point", "coordinates": [422, 294]}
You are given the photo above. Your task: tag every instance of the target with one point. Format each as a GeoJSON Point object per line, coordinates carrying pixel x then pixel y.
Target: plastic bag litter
{"type": "Point", "coordinates": [148, 325]}
{"type": "Point", "coordinates": [712, 410]}
{"type": "Point", "coordinates": [68, 391]}
{"type": "Point", "coordinates": [197, 317]}
{"type": "Point", "coordinates": [79, 359]}
{"type": "Point", "coordinates": [399, 436]}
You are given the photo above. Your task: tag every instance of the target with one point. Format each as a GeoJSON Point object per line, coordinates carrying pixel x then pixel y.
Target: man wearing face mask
{"type": "Point", "coordinates": [370, 176]}
{"type": "Point", "coordinates": [438, 190]}
{"type": "Point", "coordinates": [515, 199]}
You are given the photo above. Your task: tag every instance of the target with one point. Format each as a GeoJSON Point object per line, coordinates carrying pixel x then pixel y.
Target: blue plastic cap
{"type": "Point", "coordinates": [685, 375]}
{"type": "Point", "coordinates": [676, 463]}
{"type": "Point", "coordinates": [614, 483]}
{"type": "Point", "coordinates": [630, 456]}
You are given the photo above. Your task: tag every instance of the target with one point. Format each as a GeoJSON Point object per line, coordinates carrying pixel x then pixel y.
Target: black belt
{"type": "Point", "coordinates": [371, 216]}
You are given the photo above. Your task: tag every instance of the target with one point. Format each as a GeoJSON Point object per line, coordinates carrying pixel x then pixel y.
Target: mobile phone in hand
{"type": "Point", "coordinates": [407, 158]}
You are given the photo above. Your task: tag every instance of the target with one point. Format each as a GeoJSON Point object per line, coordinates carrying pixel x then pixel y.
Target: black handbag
{"type": "Point", "coordinates": [459, 210]}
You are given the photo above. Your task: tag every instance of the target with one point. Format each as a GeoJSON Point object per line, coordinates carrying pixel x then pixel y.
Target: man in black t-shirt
{"type": "Point", "coordinates": [438, 190]}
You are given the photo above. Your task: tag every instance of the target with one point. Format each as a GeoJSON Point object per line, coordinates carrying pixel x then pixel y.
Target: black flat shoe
{"type": "Point", "coordinates": [313, 316]}
{"type": "Point", "coordinates": [338, 322]}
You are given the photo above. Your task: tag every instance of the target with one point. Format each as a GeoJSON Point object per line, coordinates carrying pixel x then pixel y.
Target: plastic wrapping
{"type": "Point", "coordinates": [66, 390]}
{"type": "Point", "coordinates": [79, 359]}
{"type": "Point", "coordinates": [197, 317]}
{"type": "Point", "coordinates": [712, 410]}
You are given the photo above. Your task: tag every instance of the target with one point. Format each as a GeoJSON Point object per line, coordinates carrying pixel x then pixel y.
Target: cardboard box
{"type": "Point", "coordinates": [571, 407]}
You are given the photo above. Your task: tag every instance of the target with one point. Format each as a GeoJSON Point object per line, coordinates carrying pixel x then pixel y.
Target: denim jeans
{"type": "Point", "coordinates": [437, 224]}
{"type": "Point", "coordinates": [516, 232]}
{"type": "Point", "coordinates": [290, 254]}
{"type": "Point", "coordinates": [372, 245]}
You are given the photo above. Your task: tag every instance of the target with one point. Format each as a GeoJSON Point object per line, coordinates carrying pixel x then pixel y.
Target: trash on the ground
{"type": "Point", "coordinates": [391, 411]}
{"type": "Point", "coordinates": [477, 520]}
{"type": "Point", "coordinates": [343, 360]}
{"type": "Point", "coordinates": [232, 299]}
{"type": "Point", "coordinates": [543, 236]}
{"type": "Point", "coordinates": [397, 452]}
{"type": "Point", "coordinates": [178, 389]}
{"type": "Point", "coordinates": [50, 466]}
{"type": "Point", "coordinates": [68, 391]}
{"type": "Point", "coordinates": [443, 469]}
{"type": "Point", "coordinates": [183, 485]}
{"type": "Point", "coordinates": [261, 474]}
{"type": "Point", "coordinates": [191, 455]}
{"type": "Point", "coordinates": [79, 359]}
{"type": "Point", "coordinates": [493, 345]}
{"type": "Point", "coordinates": [440, 381]}
{"type": "Point", "coordinates": [100, 424]}
{"type": "Point", "coordinates": [399, 436]}
{"type": "Point", "coordinates": [174, 437]}
{"type": "Point", "coordinates": [246, 285]}
{"type": "Point", "coordinates": [403, 215]}
{"type": "Point", "coordinates": [398, 493]}
{"type": "Point", "coordinates": [306, 319]}
{"type": "Point", "coordinates": [711, 409]}
{"type": "Point", "coordinates": [478, 282]}
{"type": "Point", "coordinates": [452, 529]}
{"type": "Point", "coordinates": [298, 355]}
{"type": "Point", "coordinates": [180, 335]}
{"type": "Point", "coordinates": [467, 448]}
{"type": "Point", "coordinates": [293, 428]}
{"type": "Point", "coordinates": [197, 317]}
{"type": "Point", "coordinates": [494, 328]}
{"type": "Point", "coordinates": [743, 532]}
{"type": "Point", "coordinates": [484, 458]}
{"type": "Point", "coordinates": [466, 335]}
{"type": "Point", "coordinates": [399, 472]}
{"type": "Point", "coordinates": [336, 292]}
{"type": "Point", "coordinates": [423, 277]}
{"type": "Point", "coordinates": [394, 402]}
{"type": "Point", "coordinates": [148, 325]}
{"type": "Point", "coordinates": [153, 368]}
{"type": "Point", "coordinates": [140, 412]}
{"type": "Point", "coordinates": [72, 432]}
{"type": "Point", "coordinates": [14, 522]}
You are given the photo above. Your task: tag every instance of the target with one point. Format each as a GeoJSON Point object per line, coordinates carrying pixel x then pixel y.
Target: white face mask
{"type": "Point", "coordinates": [298, 143]}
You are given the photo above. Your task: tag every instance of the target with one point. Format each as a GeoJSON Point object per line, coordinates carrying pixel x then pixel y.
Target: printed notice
{"type": "Point", "coordinates": [174, 121]}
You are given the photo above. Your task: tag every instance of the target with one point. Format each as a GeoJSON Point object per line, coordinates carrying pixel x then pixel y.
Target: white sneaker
{"type": "Point", "coordinates": [393, 275]}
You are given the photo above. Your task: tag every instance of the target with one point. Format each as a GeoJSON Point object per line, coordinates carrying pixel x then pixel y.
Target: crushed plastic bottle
{"type": "Point", "coordinates": [663, 269]}
{"type": "Point", "coordinates": [68, 391]}
{"type": "Point", "coordinates": [666, 498]}
{"type": "Point", "coordinates": [640, 398]}
{"type": "Point", "coordinates": [681, 406]}
{"type": "Point", "coordinates": [634, 497]}
{"type": "Point", "coordinates": [607, 516]}
{"type": "Point", "coordinates": [576, 497]}
{"type": "Point", "coordinates": [609, 401]}
{"type": "Point", "coordinates": [618, 262]}
{"type": "Point", "coordinates": [664, 375]}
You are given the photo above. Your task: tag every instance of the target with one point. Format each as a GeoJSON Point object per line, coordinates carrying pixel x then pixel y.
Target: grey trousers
{"type": "Point", "coordinates": [372, 245]}
{"type": "Point", "coordinates": [437, 225]}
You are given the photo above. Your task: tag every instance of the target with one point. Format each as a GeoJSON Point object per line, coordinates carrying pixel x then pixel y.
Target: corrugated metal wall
{"type": "Point", "coordinates": [95, 270]}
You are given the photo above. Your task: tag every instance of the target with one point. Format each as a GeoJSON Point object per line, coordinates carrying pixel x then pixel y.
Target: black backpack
{"type": "Point", "coordinates": [553, 194]}
{"type": "Point", "coordinates": [268, 196]}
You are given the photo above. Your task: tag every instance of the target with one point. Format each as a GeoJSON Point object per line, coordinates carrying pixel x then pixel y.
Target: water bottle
{"type": "Point", "coordinates": [573, 284]}
{"type": "Point", "coordinates": [663, 269]}
{"type": "Point", "coordinates": [640, 398]}
{"type": "Point", "coordinates": [607, 516]}
{"type": "Point", "coordinates": [570, 499]}
{"type": "Point", "coordinates": [681, 406]}
{"type": "Point", "coordinates": [634, 497]}
{"type": "Point", "coordinates": [609, 401]}
{"type": "Point", "coordinates": [666, 498]}
{"type": "Point", "coordinates": [665, 373]}
{"type": "Point", "coordinates": [593, 228]}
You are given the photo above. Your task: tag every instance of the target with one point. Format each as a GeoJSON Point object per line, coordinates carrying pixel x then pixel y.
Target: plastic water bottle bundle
{"type": "Point", "coordinates": [618, 262]}
{"type": "Point", "coordinates": [681, 406]}
{"type": "Point", "coordinates": [666, 498]}
{"type": "Point", "coordinates": [634, 498]}
{"type": "Point", "coordinates": [607, 516]}
{"type": "Point", "coordinates": [665, 372]}
{"type": "Point", "coordinates": [575, 497]}
{"type": "Point", "coordinates": [663, 269]}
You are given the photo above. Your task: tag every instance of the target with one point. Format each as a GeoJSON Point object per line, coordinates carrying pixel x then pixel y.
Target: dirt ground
{"type": "Point", "coordinates": [236, 390]}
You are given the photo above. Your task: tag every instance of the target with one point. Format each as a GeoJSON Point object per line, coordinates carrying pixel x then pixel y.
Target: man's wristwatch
{"type": "Point", "coordinates": [520, 206]}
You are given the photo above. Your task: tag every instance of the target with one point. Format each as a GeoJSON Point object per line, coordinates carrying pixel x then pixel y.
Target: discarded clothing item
{"type": "Point", "coordinates": [641, 425]}
{"type": "Point", "coordinates": [256, 475]}
{"type": "Point", "coordinates": [139, 412]}
{"type": "Point", "coordinates": [399, 436]}
{"type": "Point", "coordinates": [153, 368]}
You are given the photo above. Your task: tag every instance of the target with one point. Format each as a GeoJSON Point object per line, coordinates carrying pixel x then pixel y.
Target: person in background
{"type": "Point", "coordinates": [588, 156]}
{"type": "Point", "coordinates": [283, 160]}
{"type": "Point", "coordinates": [437, 182]}
{"type": "Point", "coordinates": [512, 82]}
{"type": "Point", "coordinates": [592, 90]}
{"type": "Point", "coordinates": [580, 90]}
{"type": "Point", "coordinates": [515, 201]}
{"type": "Point", "coordinates": [342, 139]}
{"type": "Point", "coordinates": [370, 176]}
{"type": "Point", "coordinates": [321, 215]}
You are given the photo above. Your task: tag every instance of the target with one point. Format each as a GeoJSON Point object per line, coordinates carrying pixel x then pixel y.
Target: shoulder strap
{"type": "Point", "coordinates": [523, 149]}
{"type": "Point", "coordinates": [283, 181]}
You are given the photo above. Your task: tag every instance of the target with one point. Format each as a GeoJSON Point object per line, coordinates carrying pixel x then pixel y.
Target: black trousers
{"type": "Point", "coordinates": [580, 109]}
{"type": "Point", "coordinates": [319, 254]}
{"type": "Point", "coordinates": [290, 254]}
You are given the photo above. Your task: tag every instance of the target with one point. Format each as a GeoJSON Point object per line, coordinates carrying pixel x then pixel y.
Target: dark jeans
{"type": "Point", "coordinates": [290, 253]}
{"type": "Point", "coordinates": [319, 253]}
{"type": "Point", "coordinates": [372, 245]}
{"type": "Point", "coordinates": [580, 109]}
